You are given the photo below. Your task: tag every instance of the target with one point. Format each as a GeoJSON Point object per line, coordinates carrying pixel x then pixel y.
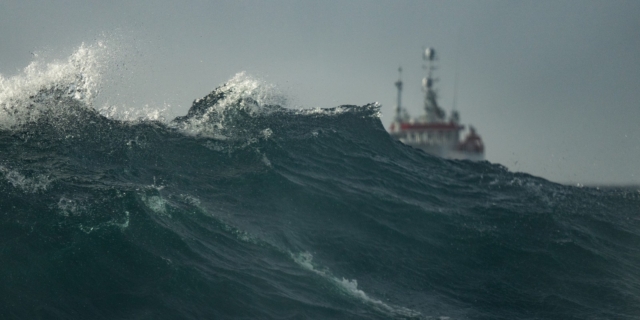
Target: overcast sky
{"type": "Point", "coordinates": [553, 87]}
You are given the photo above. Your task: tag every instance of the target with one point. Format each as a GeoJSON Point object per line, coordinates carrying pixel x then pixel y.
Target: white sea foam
{"type": "Point", "coordinates": [266, 161]}
{"type": "Point", "coordinates": [90, 209]}
{"type": "Point", "coordinates": [26, 96]}
{"type": "Point", "coordinates": [145, 113]}
{"type": "Point", "coordinates": [34, 184]}
{"type": "Point", "coordinates": [339, 110]}
{"type": "Point", "coordinates": [240, 92]}
{"type": "Point", "coordinates": [156, 203]}
{"type": "Point", "coordinates": [190, 200]}
{"type": "Point", "coordinates": [124, 224]}
{"type": "Point", "coordinates": [69, 207]}
{"type": "Point", "coordinates": [305, 260]}
{"type": "Point", "coordinates": [267, 133]}
{"type": "Point", "coordinates": [255, 98]}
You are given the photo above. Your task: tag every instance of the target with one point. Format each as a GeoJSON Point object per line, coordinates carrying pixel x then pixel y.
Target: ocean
{"type": "Point", "coordinates": [245, 209]}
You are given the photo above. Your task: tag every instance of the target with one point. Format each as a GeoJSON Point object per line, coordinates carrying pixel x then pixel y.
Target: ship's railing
{"type": "Point", "coordinates": [432, 137]}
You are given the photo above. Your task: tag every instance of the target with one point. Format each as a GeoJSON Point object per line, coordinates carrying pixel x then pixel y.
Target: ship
{"type": "Point", "coordinates": [433, 132]}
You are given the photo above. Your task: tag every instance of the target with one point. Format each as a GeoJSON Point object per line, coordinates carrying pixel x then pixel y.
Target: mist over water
{"type": "Point", "coordinates": [243, 208]}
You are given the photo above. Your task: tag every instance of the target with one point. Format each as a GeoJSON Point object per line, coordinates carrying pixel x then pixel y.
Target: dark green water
{"type": "Point", "coordinates": [250, 211]}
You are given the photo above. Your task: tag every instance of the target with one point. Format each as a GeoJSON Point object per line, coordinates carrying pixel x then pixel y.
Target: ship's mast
{"type": "Point", "coordinates": [455, 115]}
{"type": "Point", "coordinates": [433, 112]}
{"type": "Point", "coordinates": [399, 111]}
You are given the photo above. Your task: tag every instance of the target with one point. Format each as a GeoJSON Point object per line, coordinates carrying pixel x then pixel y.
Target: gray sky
{"type": "Point", "coordinates": [551, 86]}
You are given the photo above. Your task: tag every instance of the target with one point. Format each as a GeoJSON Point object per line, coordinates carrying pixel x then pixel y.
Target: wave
{"type": "Point", "coordinates": [244, 208]}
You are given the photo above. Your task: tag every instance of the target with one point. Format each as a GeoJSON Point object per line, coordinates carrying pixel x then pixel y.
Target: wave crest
{"type": "Point", "coordinates": [40, 88]}
{"type": "Point", "coordinates": [225, 108]}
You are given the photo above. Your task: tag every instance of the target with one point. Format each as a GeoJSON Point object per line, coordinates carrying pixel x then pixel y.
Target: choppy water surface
{"type": "Point", "coordinates": [245, 209]}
